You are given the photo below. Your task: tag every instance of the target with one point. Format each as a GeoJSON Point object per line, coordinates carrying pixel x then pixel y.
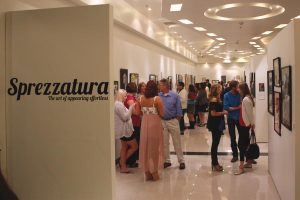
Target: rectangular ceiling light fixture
{"type": "Point", "coordinates": [252, 42]}
{"type": "Point", "coordinates": [267, 32]}
{"type": "Point", "coordinates": [281, 26]}
{"type": "Point", "coordinates": [216, 47]}
{"type": "Point", "coordinates": [220, 39]}
{"type": "Point", "coordinates": [298, 17]}
{"type": "Point", "coordinates": [211, 34]}
{"type": "Point", "coordinates": [257, 46]}
{"type": "Point", "coordinates": [221, 44]}
{"type": "Point", "coordinates": [176, 7]}
{"type": "Point", "coordinates": [199, 28]}
{"type": "Point", "coordinates": [256, 38]}
{"type": "Point", "coordinates": [185, 21]}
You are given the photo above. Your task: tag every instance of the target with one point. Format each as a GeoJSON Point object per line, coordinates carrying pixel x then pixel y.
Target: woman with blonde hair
{"type": "Point", "coordinates": [124, 129]}
{"type": "Point", "coordinates": [246, 121]}
{"type": "Point", "coordinates": [215, 123]}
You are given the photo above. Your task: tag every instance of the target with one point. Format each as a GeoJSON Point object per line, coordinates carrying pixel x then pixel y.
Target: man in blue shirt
{"type": "Point", "coordinates": [170, 122]}
{"type": "Point", "coordinates": [232, 103]}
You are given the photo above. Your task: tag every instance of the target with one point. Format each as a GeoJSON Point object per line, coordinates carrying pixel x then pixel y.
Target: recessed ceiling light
{"type": "Point", "coordinates": [211, 54]}
{"type": "Point", "coordinates": [212, 50]}
{"type": "Point", "coordinates": [216, 47]}
{"type": "Point", "coordinates": [298, 17]}
{"type": "Point", "coordinates": [256, 45]}
{"type": "Point", "coordinates": [211, 34]}
{"type": "Point", "coordinates": [281, 26]}
{"type": "Point", "coordinates": [256, 38]}
{"type": "Point", "coordinates": [267, 32]}
{"type": "Point", "coordinates": [184, 40]}
{"type": "Point", "coordinates": [259, 48]}
{"type": "Point", "coordinates": [185, 21]}
{"type": "Point", "coordinates": [176, 7]}
{"type": "Point", "coordinates": [199, 28]}
{"type": "Point", "coordinates": [227, 61]}
{"type": "Point", "coordinates": [220, 39]}
{"type": "Point", "coordinates": [149, 9]}
{"type": "Point", "coordinates": [252, 42]}
{"type": "Point", "coordinates": [221, 44]}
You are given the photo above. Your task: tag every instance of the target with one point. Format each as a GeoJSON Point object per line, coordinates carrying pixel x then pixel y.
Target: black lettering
{"type": "Point", "coordinates": [65, 88]}
{"type": "Point", "coordinates": [56, 88]}
{"type": "Point", "coordinates": [47, 91]}
{"type": "Point", "coordinates": [103, 88]}
{"type": "Point", "coordinates": [22, 90]}
{"type": "Point", "coordinates": [13, 90]}
{"type": "Point", "coordinates": [38, 87]}
{"type": "Point", "coordinates": [29, 88]}
{"type": "Point", "coordinates": [85, 88]}
{"type": "Point", "coordinates": [74, 87]}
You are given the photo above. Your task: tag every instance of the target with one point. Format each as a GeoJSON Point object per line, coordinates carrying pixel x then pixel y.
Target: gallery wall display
{"type": "Point", "coordinates": [277, 71]}
{"type": "Point", "coordinates": [188, 80]}
{"type": "Point", "coordinates": [170, 82]}
{"type": "Point", "coordinates": [252, 84]}
{"type": "Point", "coordinates": [215, 81]}
{"type": "Point", "coordinates": [153, 77]}
{"type": "Point", "coordinates": [286, 94]}
{"type": "Point", "coordinates": [277, 111]}
{"type": "Point", "coordinates": [179, 78]}
{"type": "Point", "coordinates": [223, 79]}
{"type": "Point", "coordinates": [123, 78]}
{"type": "Point", "coordinates": [116, 86]}
{"type": "Point", "coordinates": [270, 78]}
{"type": "Point", "coordinates": [134, 77]}
{"type": "Point", "coordinates": [261, 87]}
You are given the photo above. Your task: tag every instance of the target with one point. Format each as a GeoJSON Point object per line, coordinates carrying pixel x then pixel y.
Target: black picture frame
{"type": "Point", "coordinates": [134, 77]}
{"type": "Point", "coordinates": [223, 79]}
{"type": "Point", "coordinates": [252, 84]}
{"type": "Point", "coordinates": [277, 112]}
{"type": "Point", "coordinates": [286, 95]}
{"type": "Point", "coordinates": [179, 78]}
{"type": "Point", "coordinates": [123, 78]}
{"type": "Point", "coordinates": [152, 77]}
{"type": "Point", "coordinates": [277, 71]}
{"type": "Point", "coordinates": [270, 79]}
{"type": "Point", "coordinates": [170, 82]}
{"type": "Point", "coordinates": [116, 86]}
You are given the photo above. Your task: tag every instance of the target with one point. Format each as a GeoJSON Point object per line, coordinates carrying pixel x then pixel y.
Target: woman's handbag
{"type": "Point", "coordinates": [252, 152]}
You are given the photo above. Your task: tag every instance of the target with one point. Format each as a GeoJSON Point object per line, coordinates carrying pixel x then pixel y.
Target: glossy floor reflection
{"type": "Point", "coordinates": [197, 181]}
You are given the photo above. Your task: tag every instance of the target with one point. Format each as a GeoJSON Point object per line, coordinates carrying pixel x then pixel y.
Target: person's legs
{"type": "Point", "coordinates": [132, 147]}
{"type": "Point", "coordinates": [216, 136]}
{"type": "Point", "coordinates": [131, 161]}
{"type": "Point", "coordinates": [243, 141]}
{"type": "Point", "coordinates": [231, 128]}
{"type": "Point", "coordinates": [123, 154]}
{"type": "Point", "coordinates": [173, 127]}
{"type": "Point", "coordinates": [166, 142]}
{"type": "Point", "coordinates": [182, 126]}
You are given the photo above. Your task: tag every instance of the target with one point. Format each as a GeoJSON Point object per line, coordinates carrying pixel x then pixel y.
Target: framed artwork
{"type": "Point", "coordinates": [188, 80]}
{"type": "Point", "coordinates": [152, 77]}
{"type": "Point", "coordinates": [179, 78]}
{"type": "Point", "coordinates": [286, 92]}
{"type": "Point", "coordinates": [223, 79]}
{"type": "Point", "coordinates": [277, 111]}
{"type": "Point", "coordinates": [215, 81]}
{"type": "Point", "coordinates": [133, 77]}
{"type": "Point", "coordinates": [123, 78]}
{"type": "Point", "coordinates": [194, 80]}
{"type": "Point", "coordinates": [170, 82]}
{"type": "Point", "coordinates": [277, 71]}
{"type": "Point", "coordinates": [252, 84]}
{"type": "Point", "coordinates": [116, 86]}
{"type": "Point", "coordinates": [270, 78]}
{"type": "Point", "coordinates": [261, 87]}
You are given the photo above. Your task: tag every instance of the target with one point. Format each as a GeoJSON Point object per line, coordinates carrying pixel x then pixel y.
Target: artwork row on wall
{"type": "Point", "coordinates": [280, 95]}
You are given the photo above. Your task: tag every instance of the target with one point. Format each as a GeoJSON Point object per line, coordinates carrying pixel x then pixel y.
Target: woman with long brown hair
{"type": "Point", "coordinates": [215, 123]}
{"type": "Point", "coordinates": [246, 123]}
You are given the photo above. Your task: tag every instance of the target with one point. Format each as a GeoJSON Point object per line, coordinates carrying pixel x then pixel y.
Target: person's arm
{"type": "Point", "coordinates": [135, 111]}
{"type": "Point", "coordinates": [183, 97]}
{"type": "Point", "coordinates": [160, 106]}
{"type": "Point", "coordinates": [247, 113]}
{"type": "Point", "coordinates": [124, 114]}
{"type": "Point", "coordinates": [178, 107]}
{"type": "Point", "coordinates": [213, 111]}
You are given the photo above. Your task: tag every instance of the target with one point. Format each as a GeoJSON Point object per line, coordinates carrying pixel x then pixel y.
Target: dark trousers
{"type": "Point", "coordinates": [5, 192]}
{"type": "Point", "coordinates": [216, 136]}
{"type": "Point", "coordinates": [231, 128]}
{"type": "Point", "coordinates": [244, 141]}
{"type": "Point", "coordinates": [181, 122]}
{"type": "Point", "coordinates": [135, 156]}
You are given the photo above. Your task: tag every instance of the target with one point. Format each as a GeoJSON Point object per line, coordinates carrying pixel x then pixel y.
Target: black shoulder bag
{"type": "Point", "coordinates": [252, 151]}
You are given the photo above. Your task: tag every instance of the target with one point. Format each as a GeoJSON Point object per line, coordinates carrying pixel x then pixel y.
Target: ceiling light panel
{"type": "Point", "coordinates": [199, 28]}
{"type": "Point", "coordinates": [175, 7]}
{"type": "Point", "coordinates": [256, 46]}
{"type": "Point", "coordinates": [281, 26]}
{"type": "Point", "coordinates": [211, 34]}
{"type": "Point", "coordinates": [185, 21]}
{"type": "Point", "coordinates": [221, 44]}
{"type": "Point", "coordinates": [256, 38]}
{"type": "Point", "coordinates": [220, 39]}
{"type": "Point", "coordinates": [267, 32]}
{"type": "Point", "coordinates": [252, 42]}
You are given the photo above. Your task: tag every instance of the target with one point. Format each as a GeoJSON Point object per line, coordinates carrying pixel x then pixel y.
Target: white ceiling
{"type": "Point", "coordinates": [238, 34]}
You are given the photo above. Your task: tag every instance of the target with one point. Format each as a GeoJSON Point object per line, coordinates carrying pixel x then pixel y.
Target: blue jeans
{"type": "Point", "coordinates": [232, 123]}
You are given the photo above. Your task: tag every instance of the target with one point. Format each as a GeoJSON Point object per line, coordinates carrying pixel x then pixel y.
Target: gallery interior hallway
{"type": "Point", "coordinates": [197, 181]}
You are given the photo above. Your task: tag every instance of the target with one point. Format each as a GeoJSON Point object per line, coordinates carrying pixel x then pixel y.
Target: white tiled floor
{"type": "Point", "coordinates": [197, 181]}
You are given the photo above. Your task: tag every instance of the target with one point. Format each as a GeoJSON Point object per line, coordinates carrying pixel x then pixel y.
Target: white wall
{"type": "Point", "coordinates": [282, 157]}
{"type": "Point", "coordinates": [259, 65]}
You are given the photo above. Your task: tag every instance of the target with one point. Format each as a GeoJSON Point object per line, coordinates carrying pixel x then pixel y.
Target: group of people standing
{"type": "Point", "coordinates": [157, 111]}
{"type": "Point", "coordinates": [146, 116]}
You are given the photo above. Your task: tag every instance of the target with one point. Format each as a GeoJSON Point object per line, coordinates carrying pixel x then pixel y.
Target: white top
{"type": "Point", "coordinates": [123, 123]}
{"type": "Point", "coordinates": [247, 111]}
{"type": "Point", "coordinates": [183, 98]}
